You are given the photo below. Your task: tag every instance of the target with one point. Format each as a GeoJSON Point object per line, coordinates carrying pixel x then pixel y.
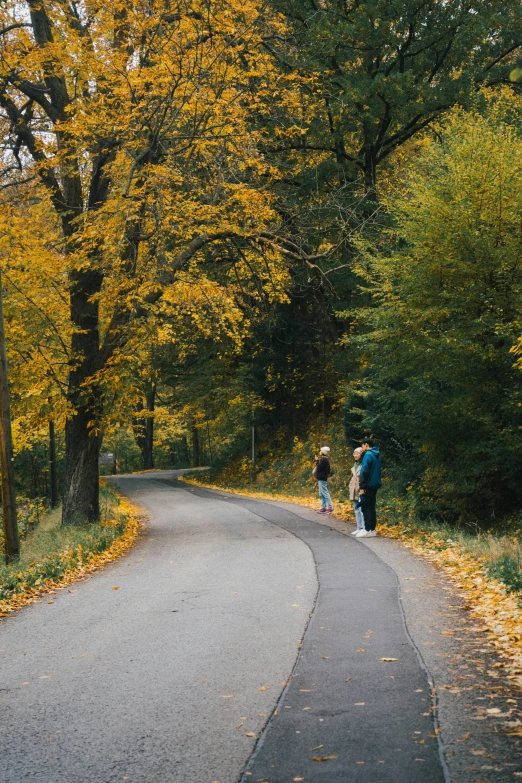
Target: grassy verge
{"type": "Point", "coordinates": [53, 556]}
{"type": "Point", "coordinates": [485, 567]}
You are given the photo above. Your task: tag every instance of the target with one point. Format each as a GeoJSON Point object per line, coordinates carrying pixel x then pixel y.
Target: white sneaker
{"type": "Point", "coordinates": [354, 532]}
{"type": "Point", "coordinates": [361, 534]}
{"type": "Point", "coordinates": [371, 533]}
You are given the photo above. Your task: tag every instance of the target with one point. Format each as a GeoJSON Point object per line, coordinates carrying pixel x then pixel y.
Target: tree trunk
{"type": "Point", "coordinates": [370, 173]}
{"type": "Point", "coordinates": [53, 484]}
{"type": "Point", "coordinates": [11, 537]}
{"type": "Point", "coordinates": [195, 446]}
{"type": "Point", "coordinates": [82, 433]}
{"type": "Point", "coordinates": [81, 499]}
{"type": "Point", "coordinates": [144, 427]}
{"type": "Point", "coordinates": [184, 452]}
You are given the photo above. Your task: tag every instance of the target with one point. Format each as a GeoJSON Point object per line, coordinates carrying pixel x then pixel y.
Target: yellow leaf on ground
{"type": "Point", "coordinates": [384, 660]}
{"type": "Point", "coordinates": [323, 758]}
{"type": "Point", "coordinates": [250, 734]}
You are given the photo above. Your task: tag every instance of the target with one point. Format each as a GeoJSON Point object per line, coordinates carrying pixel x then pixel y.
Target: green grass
{"type": "Point", "coordinates": [50, 549]}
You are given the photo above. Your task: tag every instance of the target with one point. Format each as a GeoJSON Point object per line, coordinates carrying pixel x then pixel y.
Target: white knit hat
{"type": "Point", "coordinates": [325, 450]}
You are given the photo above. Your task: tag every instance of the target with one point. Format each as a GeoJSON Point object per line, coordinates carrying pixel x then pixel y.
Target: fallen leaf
{"type": "Point", "coordinates": [493, 711]}
{"type": "Point", "coordinates": [361, 649]}
{"type": "Point", "coordinates": [231, 696]}
{"type": "Point", "coordinates": [359, 704]}
{"type": "Point", "coordinates": [50, 602]}
{"type": "Point", "coordinates": [250, 734]}
{"type": "Point", "coordinates": [323, 758]}
{"type": "Point", "coordinates": [239, 725]}
{"type": "Point", "coordinates": [305, 690]}
{"type": "Point", "coordinates": [348, 680]}
{"type": "Point", "coordinates": [297, 779]}
{"type": "Point", "coordinates": [318, 747]}
{"type": "Point", "coordinates": [385, 660]}
{"type": "Point", "coordinates": [464, 737]}
{"type": "Point", "coordinates": [325, 656]}
{"type": "Point", "coordinates": [116, 588]}
{"type": "Point", "coordinates": [264, 688]}
{"type": "Point", "coordinates": [306, 708]}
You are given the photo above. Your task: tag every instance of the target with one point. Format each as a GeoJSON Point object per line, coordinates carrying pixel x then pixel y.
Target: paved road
{"type": "Point", "coordinates": [164, 678]}
{"type": "Point", "coordinates": [149, 682]}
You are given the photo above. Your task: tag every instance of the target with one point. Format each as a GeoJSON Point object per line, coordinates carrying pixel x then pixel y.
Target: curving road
{"type": "Point", "coordinates": [244, 642]}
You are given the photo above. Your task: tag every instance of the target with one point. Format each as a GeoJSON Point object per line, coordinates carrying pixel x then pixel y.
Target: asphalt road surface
{"type": "Point", "coordinates": [244, 642]}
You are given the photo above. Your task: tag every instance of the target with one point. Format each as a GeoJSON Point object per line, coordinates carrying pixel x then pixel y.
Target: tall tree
{"type": "Point", "coordinates": [375, 73]}
{"type": "Point", "coordinates": [135, 120]}
{"type": "Point", "coordinates": [439, 384]}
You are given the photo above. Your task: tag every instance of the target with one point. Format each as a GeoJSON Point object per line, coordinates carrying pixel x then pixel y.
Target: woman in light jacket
{"type": "Point", "coordinates": [354, 490]}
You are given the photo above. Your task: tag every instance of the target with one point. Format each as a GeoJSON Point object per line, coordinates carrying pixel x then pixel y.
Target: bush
{"type": "Point", "coordinates": [509, 571]}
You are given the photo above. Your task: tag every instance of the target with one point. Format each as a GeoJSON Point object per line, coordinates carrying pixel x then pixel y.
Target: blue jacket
{"type": "Point", "coordinates": [370, 475]}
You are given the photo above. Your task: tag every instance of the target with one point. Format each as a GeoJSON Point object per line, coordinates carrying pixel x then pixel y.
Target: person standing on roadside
{"type": "Point", "coordinates": [369, 483]}
{"type": "Point", "coordinates": [322, 471]}
{"type": "Point", "coordinates": [354, 490]}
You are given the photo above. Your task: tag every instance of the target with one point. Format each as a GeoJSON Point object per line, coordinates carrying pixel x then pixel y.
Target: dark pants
{"type": "Point", "coordinates": [368, 502]}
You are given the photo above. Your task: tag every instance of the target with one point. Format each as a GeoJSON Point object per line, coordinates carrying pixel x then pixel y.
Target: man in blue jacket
{"type": "Point", "coordinates": [369, 483]}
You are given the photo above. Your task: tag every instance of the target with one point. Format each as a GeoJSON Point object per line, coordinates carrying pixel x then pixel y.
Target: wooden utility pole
{"type": "Point", "coordinates": [52, 465]}
{"type": "Point", "coordinates": [11, 537]}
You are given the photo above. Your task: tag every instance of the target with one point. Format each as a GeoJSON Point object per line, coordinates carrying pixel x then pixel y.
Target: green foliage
{"type": "Point", "coordinates": [508, 570]}
{"type": "Point", "coordinates": [375, 73]}
{"type": "Point", "coordinates": [439, 386]}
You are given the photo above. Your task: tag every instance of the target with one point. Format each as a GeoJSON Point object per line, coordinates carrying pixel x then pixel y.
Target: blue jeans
{"type": "Point", "coordinates": [359, 518]}
{"type": "Point", "coordinates": [326, 500]}
{"type": "Point", "coordinates": [367, 504]}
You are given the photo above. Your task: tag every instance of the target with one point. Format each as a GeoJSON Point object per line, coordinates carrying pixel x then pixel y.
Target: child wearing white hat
{"type": "Point", "coordinates": [322, 471]}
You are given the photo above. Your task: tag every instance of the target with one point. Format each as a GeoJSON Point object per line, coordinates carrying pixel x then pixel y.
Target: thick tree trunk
{"type": "Point", "coordinates": [81, 501]}
{"type": "Point", "coordinates": [144, 427]}
{"type": "Point", "coordinates": [82, 431]}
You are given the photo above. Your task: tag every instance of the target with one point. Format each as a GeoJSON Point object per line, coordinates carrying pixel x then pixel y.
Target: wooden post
{"type": "Point", "coordinates": [11, 537]}
{"type": "Point", "coordinates": [52, 465]}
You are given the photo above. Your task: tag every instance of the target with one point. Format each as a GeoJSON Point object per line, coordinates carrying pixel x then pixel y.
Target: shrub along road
{"type": "Point", "coordinates": [194, 659]}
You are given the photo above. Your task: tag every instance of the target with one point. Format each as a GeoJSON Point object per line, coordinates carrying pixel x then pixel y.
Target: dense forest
{"type": "Point", "coordinates": [283, 220]}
